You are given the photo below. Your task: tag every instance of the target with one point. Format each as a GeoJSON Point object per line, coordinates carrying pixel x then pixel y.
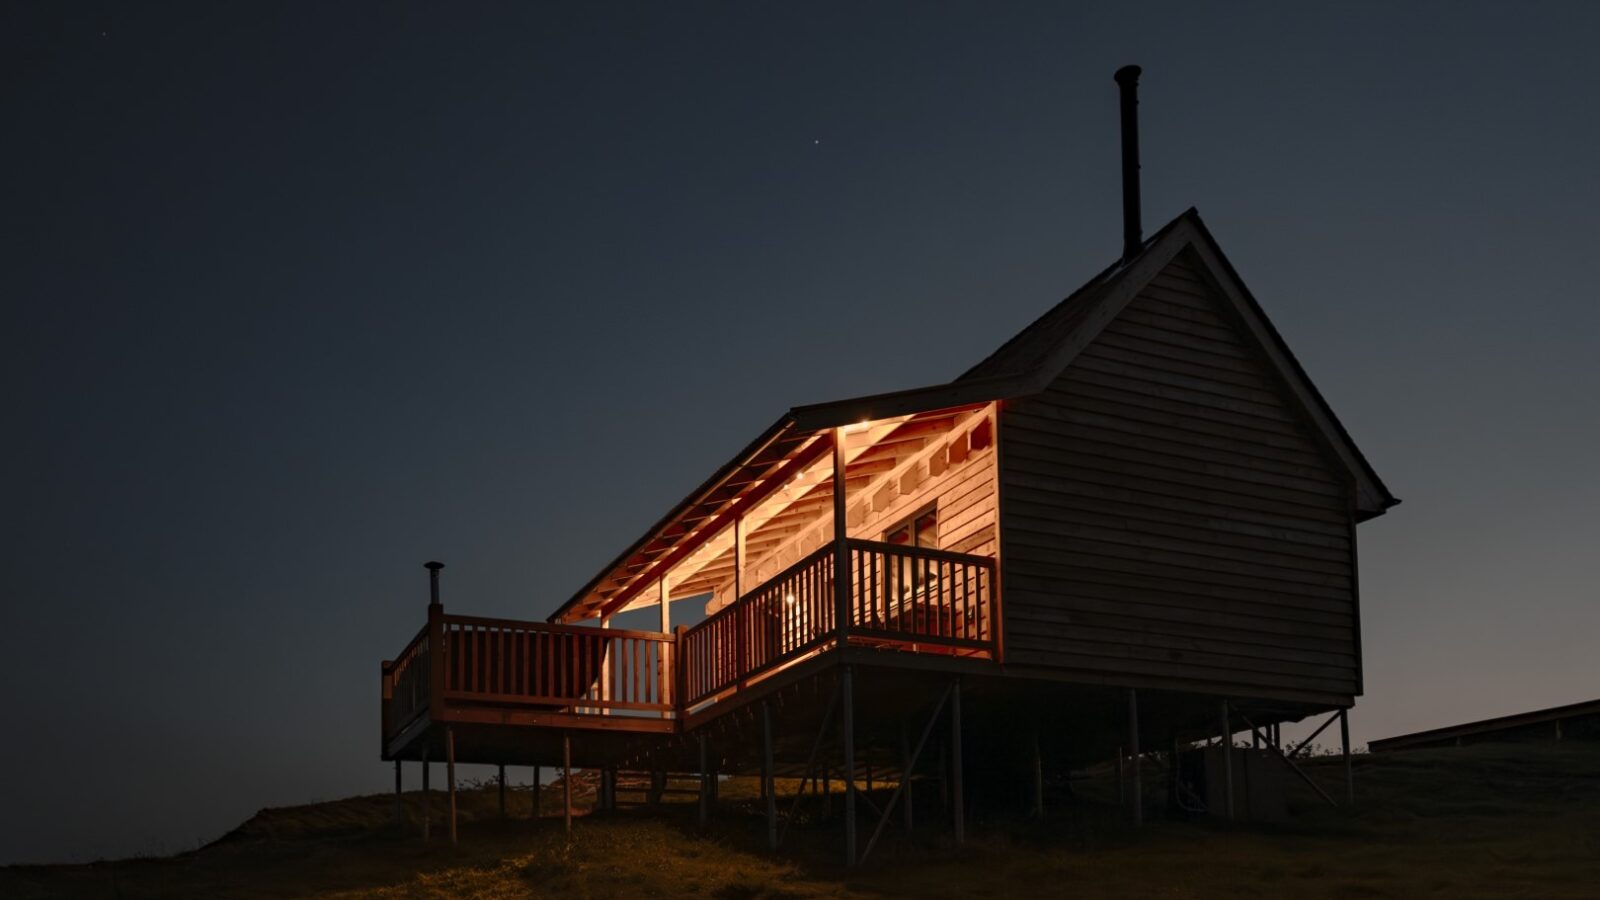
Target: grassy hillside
{"type": "Point", "coordinates": [1474, 822]}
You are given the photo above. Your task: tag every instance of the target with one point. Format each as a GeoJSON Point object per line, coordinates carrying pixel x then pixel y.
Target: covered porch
{"type": "Point", "coordinates": [875, 536]}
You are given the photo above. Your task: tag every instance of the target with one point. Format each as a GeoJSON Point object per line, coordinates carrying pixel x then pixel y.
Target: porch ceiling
{"type": "Point", "coordinates": [780, 485]}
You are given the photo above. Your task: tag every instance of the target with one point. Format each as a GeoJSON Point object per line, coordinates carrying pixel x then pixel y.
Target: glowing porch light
{"type": "Point", "coordinates": [788, 599]}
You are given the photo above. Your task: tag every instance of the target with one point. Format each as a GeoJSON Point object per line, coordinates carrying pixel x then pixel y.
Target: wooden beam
{"type": "Point", "coordinates": [848, 699]}
{"type": "Point", "coordinates": [1134, 786]}
{"type": "Point", "coordinates": [959, 815]}
{"type": "Point", "coordinates": [566, 780]}
{"type": "Point", "coordinates": [450, 775]}
{"type": "Point", "coordinates": [1227, 760]}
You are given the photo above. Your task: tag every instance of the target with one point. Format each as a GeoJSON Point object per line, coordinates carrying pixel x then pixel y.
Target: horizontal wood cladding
{"type": "Point", "coordinates": [1168, 517]}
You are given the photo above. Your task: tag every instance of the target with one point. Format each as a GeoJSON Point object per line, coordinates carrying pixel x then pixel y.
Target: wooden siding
{"type": "Point", "coordinates": [1169, 518]}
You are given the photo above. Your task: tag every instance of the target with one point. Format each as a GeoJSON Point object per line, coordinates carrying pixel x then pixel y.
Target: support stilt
{"type": "Point", "coordinates": [399, 807]}
{"type": "Point", "coordinates": [1173, 756]}
{"type": "Point", "coordinates": [906, 765]}
{"type": "Point", "coordinates": [705, 784]}
{"type": "Point", "coordinates": [502, 792]}
{"type": "Point", "coordinates": [427, 824]}
{"type": "Point", "coordinates": [1038, 777]}
{"type": "Point", "coordinates": [1134, 786]}
{"type": "Point", "coordinates": [1344, 743]}
{"type": "Point", "coordinates": [1225, 724]}
{"type": "Point", "coordinates": [538, 792]}
{"type": "Point", "coordinates": [957, 795]}
{"type": "Point", "coordinates": [566, 780]}
{"type": "Point", "coordinates": [450, 775]}
{"type": "Point", "coordinates": [849, 705]}
{"type": "Point", "coordinates": [766, 777]}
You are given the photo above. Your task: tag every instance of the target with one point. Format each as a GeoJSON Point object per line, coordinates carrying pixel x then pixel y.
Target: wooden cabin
{"type": "Point", "coordinates": [1130, 528]}
{"type": "Point", "coordinates": [1139, 497]}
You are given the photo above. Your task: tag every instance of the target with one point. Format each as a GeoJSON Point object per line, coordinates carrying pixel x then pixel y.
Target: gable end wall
{"type": "Point", "coordinates": [1169, 521]}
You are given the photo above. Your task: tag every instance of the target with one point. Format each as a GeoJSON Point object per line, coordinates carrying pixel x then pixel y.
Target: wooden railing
{"type": "Point", "coordinates": [503, 661]}
{"type": "Point", "coordinates": [924, 598]}
{"type": "Point", "coordinates": [406, 684]}
{"type": "Point", "coordinates": [904, 599]}
{"type": "Point", "coordinates": [788, 616]}
{"type": "Point", "coordinates": [900, 598]}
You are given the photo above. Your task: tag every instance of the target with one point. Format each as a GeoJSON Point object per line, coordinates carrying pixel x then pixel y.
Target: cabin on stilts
{"type": "Point", "coordinates": [1128, 531]}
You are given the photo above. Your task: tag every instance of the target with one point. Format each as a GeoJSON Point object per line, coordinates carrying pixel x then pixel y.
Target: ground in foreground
{"type": "Point", "coordinates": [1488, 821]}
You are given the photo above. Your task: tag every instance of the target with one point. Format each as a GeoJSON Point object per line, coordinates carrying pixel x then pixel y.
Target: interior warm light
{"type": "Point", "coordinates": [789, 599]}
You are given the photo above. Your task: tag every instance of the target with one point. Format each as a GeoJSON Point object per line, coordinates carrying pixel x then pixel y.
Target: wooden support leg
{"type": "Point", "coordinates": [1344, 743]}
{"type": "Point", "coordinates": [566, 780]}
{"type": "Point", "coordinates": [705, 784]}
{"type": "Point", "coordinates": [538, 791]}
{"type": "Point", "coordinates": [1134, 786]}
{"type": "Point", "coordinates": [1122, 779]}
{"type": "Point", "coordinates": [502, 792]}
{"type": "Point", "coordinates": [958, 798]}
{"type": "Point", "coordinates": [450, 775]}
{"type": "Point", "coordinates": [848, 697]}
{"type": "Point", "coordinates": [766, 777]}
{"type": "Point", "coordinates": [1225, 725]}
{"type": "Point", "coordinates": [905, 774]}
{"type": "Point", "coordinates": [1172, 778]}
{"type": "Point", "coordinates": [426, 818]}
{"type": "Point", "coordinates": [399, 808]}
{"type": "Point", "coordinates": [1038, 777]}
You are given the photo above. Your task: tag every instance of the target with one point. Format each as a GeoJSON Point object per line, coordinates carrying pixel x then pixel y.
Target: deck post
{"type": "Point", "coordinates": [502, 792]}
{"type": "Point", "coordinates": [955, 762]}
{"type": "Point", "coordinates": [905, 773]}
{"type": "Point", "coordinates": [1226, 727]}
{"type": "Point", "coordinates": [450, 775]}
{"type": "Point", "coordinates": [766, 776]}
{"type": "Point", "coordinates": [847, 695]}
{"type": "Point", "coordinates": [399, 807]}
{"type": "Point", "coordinates": [1038, 776]}
{"type": "Point", "coordinates": [566, 779]}
{"type": "Point", "coordinates": [1137, 802]}
{"type": "Point", "coordinates": [538, 791]}
{"type": "Point", "coordinates": [1122, 780]}
{"type": "Point", "coordinates": [426, 819]}
{"type": "Point", "coordinates": [1344, 743]}
{"type": "Point", "coordinates": [705, 784]}
{"type": "Point", "coordinates": [841, 562]}
{"type": "Point", "coordinates": [664, 659]}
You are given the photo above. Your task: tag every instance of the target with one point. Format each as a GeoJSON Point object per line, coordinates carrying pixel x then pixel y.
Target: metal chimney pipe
{"type": "Point", "coordinates": [433, 581]}
{"type": "Point", "coordinates": [1127, 78]}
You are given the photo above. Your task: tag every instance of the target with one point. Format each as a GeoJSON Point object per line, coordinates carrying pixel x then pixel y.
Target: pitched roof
{"type": "Point", "coordinates": [1023, 365]}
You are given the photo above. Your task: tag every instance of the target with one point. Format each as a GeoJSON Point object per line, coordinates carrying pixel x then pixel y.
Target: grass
{"type": "Point", "coordinates": [1487, 821]}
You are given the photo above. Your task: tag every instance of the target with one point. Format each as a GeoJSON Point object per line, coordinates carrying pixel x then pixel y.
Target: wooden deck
{"type": "Point", "coordinates": [516, 687]}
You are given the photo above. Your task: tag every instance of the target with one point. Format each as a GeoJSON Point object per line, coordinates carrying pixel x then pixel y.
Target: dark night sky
{"type": "Point", "coordinates": [297, 298]}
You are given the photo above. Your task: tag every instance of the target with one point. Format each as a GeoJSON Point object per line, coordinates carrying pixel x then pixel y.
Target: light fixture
{"type": "Point", "coordinates": [788, 599]}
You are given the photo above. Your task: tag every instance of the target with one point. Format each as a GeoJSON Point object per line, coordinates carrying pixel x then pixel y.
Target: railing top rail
{"type": "Point", "coordinates": [411, 647]}
{"type": "Point", "coordinates": [589, 630]}
{"type": "Point", "coordinates": [924, 552]}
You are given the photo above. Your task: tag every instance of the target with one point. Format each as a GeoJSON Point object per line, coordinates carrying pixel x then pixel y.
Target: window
{"type": "Point", "coordinates": [920, 530]}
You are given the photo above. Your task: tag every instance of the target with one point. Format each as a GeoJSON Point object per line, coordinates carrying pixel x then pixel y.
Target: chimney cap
{"type": "Point", "coordinates": [1127, 74]}
{"type": "Point", "coordinates": [433, 566]}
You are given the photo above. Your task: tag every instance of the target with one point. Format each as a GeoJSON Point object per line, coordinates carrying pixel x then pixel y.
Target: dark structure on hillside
{"type": "Point", "coordinates": [1574, 722]}
{"type": "Point", "coordinates": [1129, 530]}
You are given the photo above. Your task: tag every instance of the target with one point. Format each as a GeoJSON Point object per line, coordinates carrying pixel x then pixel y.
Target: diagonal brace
{"type": "Point", "coordinates": [910, 767]}
{"type": "Point", "coordinates": [811, 762]}
{"type": "Point", "coordinates": [1290, 763]}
